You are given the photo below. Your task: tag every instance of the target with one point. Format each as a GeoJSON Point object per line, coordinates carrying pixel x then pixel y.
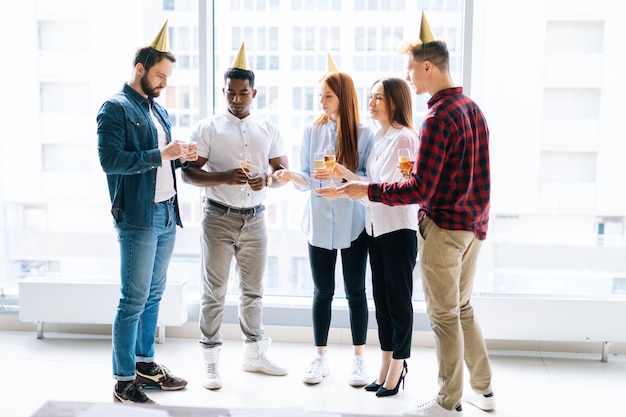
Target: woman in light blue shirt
{"type": "Point", "coordinates": [335, 225]}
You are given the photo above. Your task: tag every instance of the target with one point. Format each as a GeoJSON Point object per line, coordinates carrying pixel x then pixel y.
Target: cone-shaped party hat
{"type": "Point", "coordinates": [240, 60]}
{"type": "Point", "coordinates": [160, 42]}
{"type": "Point", "coordinates": [426, 33]}
{"type": "Point", "coordinates": [330, 64]}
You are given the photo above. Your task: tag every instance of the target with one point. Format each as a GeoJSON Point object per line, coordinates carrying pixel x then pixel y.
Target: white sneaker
{"type": "Point", "coordinates": [485, 402]}
{"type": "Point", "coordinates": [317, 370]}
{"type": "Point", "coordinates": [264, 365]}
{"type": "Point", "coordinates": [359, 376]}
{"type": "Point", "coordinates": [211, 376]}
{"type": "Point", "coordinates": [255, 359]}
{"type": "Point", "coordinates": [433, 409]}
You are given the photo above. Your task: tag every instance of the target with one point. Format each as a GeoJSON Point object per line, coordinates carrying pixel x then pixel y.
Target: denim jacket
{"type": "Point", "coordinates": [129, 155]}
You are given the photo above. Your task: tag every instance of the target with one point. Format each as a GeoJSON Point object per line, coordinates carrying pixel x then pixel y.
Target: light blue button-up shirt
{"type": "Point", "coordinates": [331, 224]}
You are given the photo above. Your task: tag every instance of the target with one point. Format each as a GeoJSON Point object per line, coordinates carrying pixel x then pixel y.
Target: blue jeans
{"type": "Point", "coordinates": [145, 256]}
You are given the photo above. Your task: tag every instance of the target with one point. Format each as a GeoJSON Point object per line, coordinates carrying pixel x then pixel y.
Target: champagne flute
{"type": "Point", "coordinates": [245, 164]}
{"type": "Point", "coordinates": [318, 163]}
{"type": "Point", "coordinates": [404, 161]}
{"type": "Point", "coordinates": [329, 161]}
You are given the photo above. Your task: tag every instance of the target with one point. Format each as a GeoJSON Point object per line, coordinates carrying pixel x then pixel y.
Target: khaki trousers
{"type": "Point", "coordinates": [226, 235]}
{"type": "Point", "coordinates": [448, 265]}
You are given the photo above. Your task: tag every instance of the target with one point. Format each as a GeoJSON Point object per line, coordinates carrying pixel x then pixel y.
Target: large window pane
{"type": "Point", "coordinates": [287, 84]}
{"type": "Point", "coordinates": [551, 97]}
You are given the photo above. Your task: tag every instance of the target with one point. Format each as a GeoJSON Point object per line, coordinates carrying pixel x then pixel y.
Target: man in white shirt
{"type": "Point", "coordinates": [237, 152]}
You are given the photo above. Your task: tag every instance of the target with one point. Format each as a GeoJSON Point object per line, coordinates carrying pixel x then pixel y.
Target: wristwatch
{"type": "Point", "coordinates": [268, 180]}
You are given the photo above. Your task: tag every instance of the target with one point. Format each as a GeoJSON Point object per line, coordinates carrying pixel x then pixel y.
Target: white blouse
{"type": "Point", "coordinates": [382, 166]}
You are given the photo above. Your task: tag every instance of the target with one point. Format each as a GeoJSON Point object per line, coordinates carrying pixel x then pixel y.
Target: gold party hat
{"type": "Point", "coordinates": [160, 42]}
{"type": "Point", "coordinates": [330, 64]}
{"type": "Point", "coordinates": [240, 60]}
{"type": "Point", "coordinates": [426, 33]}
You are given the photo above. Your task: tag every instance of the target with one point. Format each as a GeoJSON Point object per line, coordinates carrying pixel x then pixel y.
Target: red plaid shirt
{"type": "Point", "coordinates": [451, 176]}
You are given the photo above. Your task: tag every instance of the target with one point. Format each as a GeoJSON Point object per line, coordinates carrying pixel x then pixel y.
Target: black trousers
{"type": "Point", "coordinates": [354, 262]}
{"type": "Point", "coordinates": [392, 258]}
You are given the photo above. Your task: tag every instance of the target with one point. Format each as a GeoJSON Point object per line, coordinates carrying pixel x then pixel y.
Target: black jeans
{"type": "Point", "coordinates": [354, 262]}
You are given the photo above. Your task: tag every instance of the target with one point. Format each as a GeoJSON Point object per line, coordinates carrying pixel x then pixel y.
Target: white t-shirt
{"type": "Point", "coordinates": [165, 178]}
{"type": "Point", "coordinates": [382, 166]}
{"type": "Point", "coordinates": [223, 140]}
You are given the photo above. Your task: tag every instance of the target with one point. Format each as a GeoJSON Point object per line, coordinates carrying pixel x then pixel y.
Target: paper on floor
{"type": "Point", "coordinates": [120, 410]}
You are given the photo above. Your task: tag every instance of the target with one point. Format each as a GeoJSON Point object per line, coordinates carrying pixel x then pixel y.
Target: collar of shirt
{"type": "Point", "coordinates": [452, 91]}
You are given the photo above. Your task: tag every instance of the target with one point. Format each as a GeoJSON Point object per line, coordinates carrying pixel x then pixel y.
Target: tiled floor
{"type": "Point", "coordinates": [77, 368]}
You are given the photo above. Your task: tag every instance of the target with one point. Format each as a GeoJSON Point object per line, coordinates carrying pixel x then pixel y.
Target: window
{"type": "Point", "coordinates": [580, 37]}
{"type": "Point", "coordinates": [73, 158]}
{"type": "Point", "coordinates": [312, 44]}
{"type": "Point", "coordinates": [379, 5]}
{"type": "Point", "coordinates": [571, 103]}
{"type": "Point", "coordinates": [64, 97]}
{"type": "Point", "coordinates": [316, 5]}
{"type": "Point", "coordinates": [304, 102]}
{"type": "Point", "coordinates": [63, 35]}
{"type": "Point", "coordinates": [384, 41]}
{"type": "Point", "coordinates": [34, 217]}
{"type": "Point", "coordinates": [568, 167]}
{"type": "Point", "coordinates": [286, 50]}
{"type": "Point", "coordinates": [557, 151]}
{"type": "Point", "coordinates": [260, 5]}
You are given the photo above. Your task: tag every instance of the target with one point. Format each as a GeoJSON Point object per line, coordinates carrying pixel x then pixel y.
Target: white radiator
{"type": "Point", "coordinates": [552, 318]}
{"type": "Point", "coordinates": [55, 300]}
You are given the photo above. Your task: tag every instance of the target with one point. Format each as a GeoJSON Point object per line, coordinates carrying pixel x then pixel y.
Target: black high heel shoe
{"type": "Point", "coordinates": [384, 392]}
{"type": "Point", "coordinates": [373, 386]}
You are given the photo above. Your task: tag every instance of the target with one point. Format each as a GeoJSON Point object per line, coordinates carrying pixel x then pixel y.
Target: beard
{"type": "Point", "coordinates": [150, 91]}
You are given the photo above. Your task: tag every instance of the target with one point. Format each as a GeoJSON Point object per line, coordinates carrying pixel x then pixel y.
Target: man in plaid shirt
{"type": "Point", "coordinates": [450, 182]}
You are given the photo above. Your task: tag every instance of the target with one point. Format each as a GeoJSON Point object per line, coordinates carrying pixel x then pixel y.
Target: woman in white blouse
{"type": "Point", "coordinates": [392, 231]}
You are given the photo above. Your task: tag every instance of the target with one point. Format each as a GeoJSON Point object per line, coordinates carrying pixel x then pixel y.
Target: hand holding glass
{"type": "Point", "coordinates": [318, 164]}
{"type": "Point", "coordinates": [192, 151]}
{"type": "Point", "coordinates": [245, 163]}
{"type": "Point", "coordinates": [404, 161]}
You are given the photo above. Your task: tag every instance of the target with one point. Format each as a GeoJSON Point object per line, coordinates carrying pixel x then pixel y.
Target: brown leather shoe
{"type": "Point", "coordinates": [160, 377]}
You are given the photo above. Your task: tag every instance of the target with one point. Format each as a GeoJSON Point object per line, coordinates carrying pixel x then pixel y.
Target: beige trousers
{"type": "Point", "coordinates": [448, 265]}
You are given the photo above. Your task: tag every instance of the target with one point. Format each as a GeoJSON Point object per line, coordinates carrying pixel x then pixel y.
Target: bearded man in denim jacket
{"type": "Point", "coordinates": [138, 155]}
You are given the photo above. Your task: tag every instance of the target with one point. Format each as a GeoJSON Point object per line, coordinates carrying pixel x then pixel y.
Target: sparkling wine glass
{"type": "Point", "coordinates": [319, 164]}
{"type": "Point", "coordinates": [329, 161]}
{"type": "Point", "coordinates": [404, 161]}
{"type": "Point", "coordinates": [318, 161]}
{"type": "Point", "coordinates": [245, 163]}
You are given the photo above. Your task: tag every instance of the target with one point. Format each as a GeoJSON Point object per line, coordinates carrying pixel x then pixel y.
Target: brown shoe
{"type": "Point", "coordinates": [131, 394]}
{"type": "Point", "coordinates": [160, 377]}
